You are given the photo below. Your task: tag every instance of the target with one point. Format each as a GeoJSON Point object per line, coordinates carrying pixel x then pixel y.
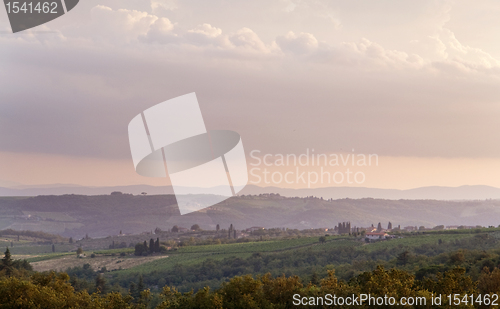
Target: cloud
{"type": "Point", "coordinates": [369, 53]}
{"type": "Point", "coordinates": [160, 32]}
{"type": "Point", "coordinates": [167, 5]}
{"type": "Point", "coordinates": [90, 77]}
{"type": "Point", "coordinates": [246, 38]}
{"type": "Point", "coordinates": [301, 43]}
{"type": "Point", "coordinates": [206, 34]}
{"type": "Point", "coordinates": [120, 24]}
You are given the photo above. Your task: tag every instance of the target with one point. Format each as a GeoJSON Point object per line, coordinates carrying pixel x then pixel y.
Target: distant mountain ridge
{"type": "Point", "coordinates": [477, 192]}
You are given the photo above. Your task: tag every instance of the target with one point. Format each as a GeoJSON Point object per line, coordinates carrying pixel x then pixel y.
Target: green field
{"type": "Point", "coordinates": [196, 254]}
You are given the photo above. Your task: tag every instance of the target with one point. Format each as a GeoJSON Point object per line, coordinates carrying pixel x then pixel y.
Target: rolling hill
{"type": "Point", "coordinates": [103, 215]}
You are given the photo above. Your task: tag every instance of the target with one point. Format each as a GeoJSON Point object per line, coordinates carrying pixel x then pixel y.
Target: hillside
{"type": "Point", "coordinates": [103, 215]}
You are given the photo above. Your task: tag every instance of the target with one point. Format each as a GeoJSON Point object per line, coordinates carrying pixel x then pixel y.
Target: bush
{"type": "Point", "coordinates": [92, 255]}
{"type": "Point", "coordinates": [123, 254]}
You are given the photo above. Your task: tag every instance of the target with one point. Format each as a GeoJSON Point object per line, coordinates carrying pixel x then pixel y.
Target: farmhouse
{"type": "Point", "coordinates": [376, 235]}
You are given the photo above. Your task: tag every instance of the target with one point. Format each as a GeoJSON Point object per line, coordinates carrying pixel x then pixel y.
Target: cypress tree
{"type": "Point", "coordinates": [132, 290]}
{"type": "Point", "coordinates": [151, 245]}
{"type": "Point", "coordinates": [7, 262]}
{"type": "Point", "coordinates": [100, 284]}
{"type": "Point", "coordinates": [140, 286]}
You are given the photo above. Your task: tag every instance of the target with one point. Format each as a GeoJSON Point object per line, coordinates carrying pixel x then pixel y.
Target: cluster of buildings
{"type": "Point", "coordinates": [371, 233]}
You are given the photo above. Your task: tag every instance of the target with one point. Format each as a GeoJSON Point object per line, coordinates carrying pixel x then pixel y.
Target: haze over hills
{"type": "Point", "coordinates": [93, 211]}
{"type": "Point", "coordinates": [103, 215]}
{"type": "Point", "coordinates": [477, 192]}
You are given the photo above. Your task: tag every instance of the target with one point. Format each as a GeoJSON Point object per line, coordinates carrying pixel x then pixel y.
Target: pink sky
{"type": "Point", "coordinates": [414, 82]}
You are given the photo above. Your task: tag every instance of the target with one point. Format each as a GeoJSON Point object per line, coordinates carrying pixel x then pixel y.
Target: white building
{"type": "Point", "coordinates": [376, 236]}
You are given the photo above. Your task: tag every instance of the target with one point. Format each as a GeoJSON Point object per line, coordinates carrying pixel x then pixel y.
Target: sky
{"type": "Point", "coordinates": [413, 82]}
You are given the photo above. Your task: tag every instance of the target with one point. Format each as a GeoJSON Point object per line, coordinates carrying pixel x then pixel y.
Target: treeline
{"type": "Point", "coordinates": [52, 290]}
{"type": "Point", "coordinates": [33, 234]}
{"type": "Point", "coordinates": [21, 288]}
{"type": "Point", "coordinates": [289, 292]}
{"type": "Point", "coordinates": [154, 247]}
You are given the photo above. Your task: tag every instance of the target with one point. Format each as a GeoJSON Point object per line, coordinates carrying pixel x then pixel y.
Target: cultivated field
{"type": "Point", "coordinates": [109, 262]}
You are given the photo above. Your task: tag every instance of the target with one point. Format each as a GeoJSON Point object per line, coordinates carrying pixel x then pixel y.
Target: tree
{"type": "Point", "coordinates": [100, 284]}
{"type": "Point", "coordinates": [457, 257]}
{"type": "Point", "coordinates": [79, 251]}
{"type": "Point", "coordinates": [140, 284]}
{"type": "Point", "coordinates": [7, 262]}
{"type": "Point", "coordinates": [175, 229]}
{"type": "Point", "coordinates": [132, 290]}
{"type": "Point", "coordinates": [145, 246]}
{"type": "Point", "coordinates": [195, 227]}
{"type": "Point", "coordinates": [53, 248]}
{"type": "Point", "coordinates": [139, 249]}
{"type": "Point", "coordinates": [71, 240]}
{"type": "Point", "coordinates": [314, 278]}
{"type": "Point", "coordinates": [489, 282]}
{"type": "Point", "coordinates": [157, 244]}
{"type": "Point", "coordinates": [322, 239]}
{"type": "Point", "coordinates": [151, 246]}
{"type": "Point", "coordinates": [403, 258]}
{"type": "Point", "coordinates": [217, 228]}
{"type": "Point", "coordinates": [234, 234]}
